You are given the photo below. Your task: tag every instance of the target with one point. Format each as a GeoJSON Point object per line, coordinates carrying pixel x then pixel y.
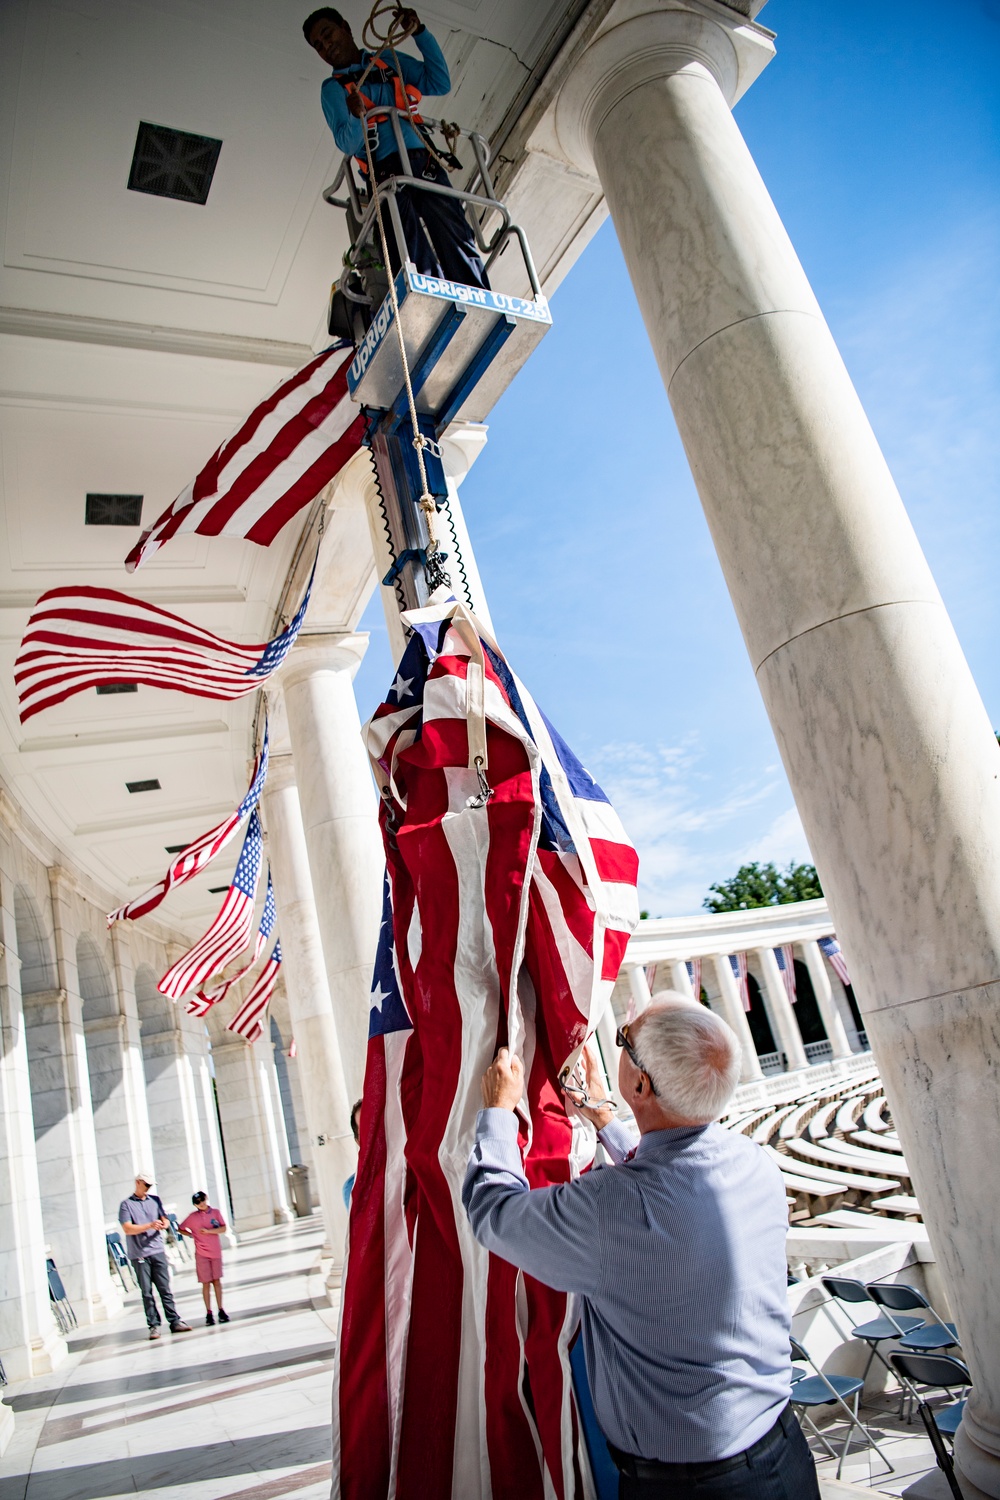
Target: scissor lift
{"type": "Point", "coordinates": [464, 344]}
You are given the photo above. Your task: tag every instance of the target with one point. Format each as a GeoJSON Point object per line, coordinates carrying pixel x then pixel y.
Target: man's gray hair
{"type": "Point", "coordinates": [691, 1055]}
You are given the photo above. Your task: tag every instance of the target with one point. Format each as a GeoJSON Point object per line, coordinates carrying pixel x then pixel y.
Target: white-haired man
{"type": "Point", "coordinates": [678, 1252]}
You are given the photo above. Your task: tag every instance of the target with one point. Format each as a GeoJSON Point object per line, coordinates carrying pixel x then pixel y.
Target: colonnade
{"type": "Point", "coordinates": [776, 1032]}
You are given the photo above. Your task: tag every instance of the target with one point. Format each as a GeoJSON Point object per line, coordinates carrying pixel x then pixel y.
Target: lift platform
{"type": "Point", "coordinates": [463, 344]}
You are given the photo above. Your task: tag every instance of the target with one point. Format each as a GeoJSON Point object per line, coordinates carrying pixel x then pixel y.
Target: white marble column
{"type": "Point", "coordinates": [737, 1017]}
{"type": "Point", "coordinates": [339, 809]}
{"type": "Point", "coordinates": [318, 1061]}
{"type": "Point", "coordinates": [252, 1134]}
{"type": "Point", "coordinates": [639, 987]}
{"type": "Point", "coordinates": [832, 1020]}
{"type": "Point", "coordinates": [888, 749]}
{"type": "Point", "coordinates": [781, 1012]}
{"type": "Point", "coordinates": [682, 979]}
{"type": "Point", "coordinates": [30, 1343]}
{"type": "Point", "coordinates": [168, 1042]}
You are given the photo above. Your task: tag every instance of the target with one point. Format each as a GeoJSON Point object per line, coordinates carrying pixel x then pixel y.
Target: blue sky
{"type": "Point", "coordinates": [875, 128]}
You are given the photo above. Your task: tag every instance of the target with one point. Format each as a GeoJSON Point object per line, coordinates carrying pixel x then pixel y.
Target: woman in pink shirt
{"type": "Point", "coordinates": [205, 1225]}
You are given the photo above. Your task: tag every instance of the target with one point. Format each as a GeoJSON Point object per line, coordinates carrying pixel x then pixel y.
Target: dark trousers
{"type": "Point", "coordinates": [153, 1270]}
{"type": "Point", "coordinates": [439, 238]}
{"type": "Point", "coordinates": [778, 1467]}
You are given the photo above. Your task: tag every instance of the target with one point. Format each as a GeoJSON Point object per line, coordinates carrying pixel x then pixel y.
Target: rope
{"type": "Point", "coordinates": [375, 41]}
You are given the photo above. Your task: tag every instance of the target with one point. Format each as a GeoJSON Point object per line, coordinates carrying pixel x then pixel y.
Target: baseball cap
{"type": "Point", "coordinates": [146, 1177]}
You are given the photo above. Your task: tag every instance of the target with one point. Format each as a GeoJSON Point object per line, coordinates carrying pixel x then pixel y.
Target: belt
{"type": "Point", "coordinates": [651, 1468]}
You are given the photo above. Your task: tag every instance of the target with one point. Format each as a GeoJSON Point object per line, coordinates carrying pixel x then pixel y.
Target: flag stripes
{"type": "Point", "coordinates": [79, 638]}
{"type": "Point", "coordinates": [738, 964]}
{"type": "Point", "coordinates": [208, 998]}
{"type": "Point", "coordinates": [201, 851]}
{"type": "Point", "coordinates": [833, 951]}
{"type": "Point", "coordinates": [278, 460]}
{"type": "Point", "coordinates": [785, 956]}
{"type": "Point", "coordinates": [248, 1021]}
{"type": "Point", "coordinates": [230, 932]}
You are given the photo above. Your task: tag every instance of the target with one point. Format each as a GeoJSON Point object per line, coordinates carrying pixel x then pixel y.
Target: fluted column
{"type": "Point", "coordinates": [781, 1012]}
{"type": "Point", "coordinates": [888, 749]}
{"type": "Point", "coordinates": [317, 1042]}
{"type": "Point", "coordinates": [833, 1022]}
{"type": "Point", "coordinates": [681, 979]}
{"type": "Point", "coordinates": [639, 986]}
{"type": "Point", "coordinates": [339, 815]}
{"type": "Point", "coordinates": [737, 1017]}
{"type": "Point", "coordinates": [250, 1131]}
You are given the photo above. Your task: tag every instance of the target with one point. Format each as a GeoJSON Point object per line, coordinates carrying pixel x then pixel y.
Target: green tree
{"type": "Point", "coordinates": [764, 885]}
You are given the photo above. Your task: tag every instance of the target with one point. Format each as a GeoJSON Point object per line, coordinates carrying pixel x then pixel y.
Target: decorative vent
{"type": "Point", "coordinates": [173, 163]}
{"type": "Point", "coordinates": [217, 890]}
{"type": "Point", "coordinates": [113, 510]}
{"type": "Point", "coordinates": [106, 688]}
{"type": "Point", "coordinates": [152, 785]}
{"type": "Point", "coordinates": [175, 848]}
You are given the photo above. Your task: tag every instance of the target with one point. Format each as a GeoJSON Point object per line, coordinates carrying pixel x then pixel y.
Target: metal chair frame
{"type": "Point", "coordinates": [798, 1352]}
{"type": "Point", "coordinates": [872, 1340]}
{"type": "Point", "coordinates": [486, 201]}
{"type": "Point", "coordinates": [881, 1293]}
{"type": "Point", "coordinates": [906, 1371]}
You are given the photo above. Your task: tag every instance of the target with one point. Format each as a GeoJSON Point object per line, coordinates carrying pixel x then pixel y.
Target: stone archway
{"type": "Point", "coordinates": [107, 1063]}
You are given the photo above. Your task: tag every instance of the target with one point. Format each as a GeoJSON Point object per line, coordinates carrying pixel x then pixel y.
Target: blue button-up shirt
{"type": "Point", "coordinates": [428, 73]}
{"type": "Point", "coordinates": [679, 1254]}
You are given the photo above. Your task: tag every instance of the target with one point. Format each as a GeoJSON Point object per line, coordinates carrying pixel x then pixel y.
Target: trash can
{"type": "Point", "coordinates": [298, 1188]}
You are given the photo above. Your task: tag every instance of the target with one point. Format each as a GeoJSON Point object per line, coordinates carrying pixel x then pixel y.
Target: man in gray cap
{"type": "Point", "coordinates": [143, 1221]}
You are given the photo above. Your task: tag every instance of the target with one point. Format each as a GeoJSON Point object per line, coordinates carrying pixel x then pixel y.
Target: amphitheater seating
{"type": "Point", "coordinates": [839, 1156]}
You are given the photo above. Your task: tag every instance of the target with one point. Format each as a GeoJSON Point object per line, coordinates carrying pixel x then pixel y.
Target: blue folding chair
{"type": "Point", "coordinates": [61, 1305]}
{"type": "Point", "coordinates": [820, 1389]}
{"type": "Point", "coordinates": [877, 1330]}
{"type": "Point", "coordinates": [119, 1261]}
{"type": "Point", "coordinates": [896, 1297]}
{"type": "Point", "coordinates": [943, 1372]}
{"type": "Point", "coordinates": [175, 1236]}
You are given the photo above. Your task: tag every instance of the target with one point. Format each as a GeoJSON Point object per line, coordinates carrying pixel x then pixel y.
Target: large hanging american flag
{"type": "Point", "coordinates": [230, 932]}
{"type": "Point", "coordinates": [833, 951]}
{"type": "Point", "coordinates": [201, 1003]}
{"type": "Point", "coordinates": [79, 638]}
{"type": "Point", "coordinates": [277, 461]}
{"type": "Point", "coordinates": [248, 1021]}
{"type": "Point", "coordinates": [785, 956]}
{"type": "Point", "coordinates": [738, 964]}
{"type": "Point", "coordinates": [201, 851]}
{"type": "Point", "coordinates": [505, 852]}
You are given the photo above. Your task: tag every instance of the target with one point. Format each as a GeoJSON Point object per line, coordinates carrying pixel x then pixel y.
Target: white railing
{"type": "Point", "coordinates": [771, 1062]}
{"type": "Point", "coordinates": [818, 1052]}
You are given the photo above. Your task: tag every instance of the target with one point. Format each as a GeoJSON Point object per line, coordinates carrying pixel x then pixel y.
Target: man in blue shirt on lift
{"type": "Point", "coordinates": [439, 238]}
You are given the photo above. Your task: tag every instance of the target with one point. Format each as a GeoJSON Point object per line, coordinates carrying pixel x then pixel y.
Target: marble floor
{"type": "Point", "coordinates": [235, 1412]}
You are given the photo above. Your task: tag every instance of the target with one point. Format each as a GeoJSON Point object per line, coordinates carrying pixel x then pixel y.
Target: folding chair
{"type": "Point", "coordinates": [61, 1305]}
{"type": "Point", "coordinates": [895, 1297]}
{"type": "Point", "coordinates": [825, 1390]}
{"type": "Point", "coordinates": [119, 1261]}
{"type": "Point", "coordinates": [944, 1372]}
{"type": "Point", "coordinates": [876, 1330]}
{"type": "Point", "coordinates": [175, 1237]}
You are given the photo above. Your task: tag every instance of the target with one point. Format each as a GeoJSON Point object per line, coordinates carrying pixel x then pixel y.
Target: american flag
{"type": "Point", "coordinates": [289, 447]}
{"type": "Point", "coordinates": [79, 638]}
{"type": "Point", "coordinates": [202, 1003]}
{"type": "Point", "coordinates": [786, 964]}
{"type": "Point", "coordinates": [832, 949]}
{"type": "Point", "coordinates": [693, 966]}
{"type": "Point", "coordinates": [650, 973]}
{"type": "Point", "coordinates": [527, 898]}
{"type": "Point", "coordinates": [230, 932]}
{"type": "Point", "coordinates": [738, 964]}
{"type": "Point", "coordinates": [248, 1021]}
{"type": "Point", "coordinates": [201, 851]}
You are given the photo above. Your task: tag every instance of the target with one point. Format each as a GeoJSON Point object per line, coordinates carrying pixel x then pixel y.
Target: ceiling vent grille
{"type": "Point", "coordinates": [173, 163]}
{"type": "Point", "coordinates": [175, 848]}
{"type": "Point", "coordinates": [217, 890]}
{"type": "Point", "coordinates": [152, 785]}
{"type": "Point", "coordinates": [106, 688]}
{"type": "Point", "coordinates": [113, 510]}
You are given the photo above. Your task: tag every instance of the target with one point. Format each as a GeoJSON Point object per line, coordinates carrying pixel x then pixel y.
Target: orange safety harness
{"type": "Point", "coordinates": [406, 98]}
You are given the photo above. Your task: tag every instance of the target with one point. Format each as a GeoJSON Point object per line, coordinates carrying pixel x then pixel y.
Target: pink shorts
{"type": "Point", "coordinates": [208, 1267]}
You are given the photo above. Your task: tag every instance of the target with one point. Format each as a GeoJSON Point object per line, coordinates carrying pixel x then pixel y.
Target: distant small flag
{"type": "Point", "coordinates": [738, 963]}
{"type": "Point", "coordinates": [248, 1021]}
{"type": "Point", "coordinates": [230, 932]}
{"type": "Point", "coordinates": [278, 460]}
{"type": "Point", "coordinates": [201, 851]}
{"type": "Point", "coordinates": [205, 999]}
{"type": "Point", "coordinates": [832, 950]}
{"type": "Point", "coordinates": [786, 965]}
{"type": "Point", "coordinates": [693, 966]}
{"type": "Point", "coordinates": [293, 1051]}
{"type": "Point", "coordinates": [650, 972]}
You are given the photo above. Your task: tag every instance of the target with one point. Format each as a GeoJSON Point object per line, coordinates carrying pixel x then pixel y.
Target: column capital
{"type": "Point", "coordinates": [280, 774]}
{"type": "Point", "coordinates": [694, 36]}
{"type": "Point", "coordinates": [334, 651]}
